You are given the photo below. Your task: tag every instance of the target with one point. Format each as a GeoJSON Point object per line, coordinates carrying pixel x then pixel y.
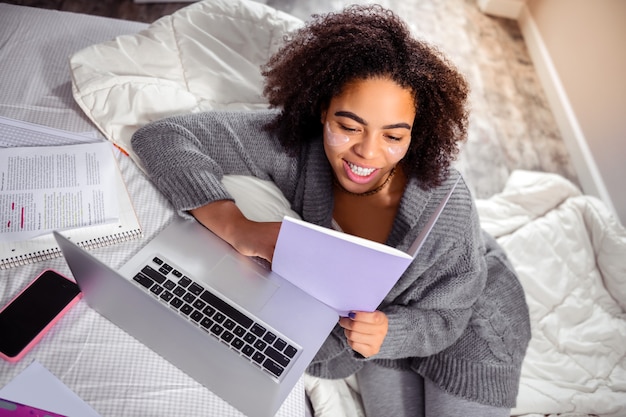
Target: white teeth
{"type": "Point", "coordinates": [360, 171]}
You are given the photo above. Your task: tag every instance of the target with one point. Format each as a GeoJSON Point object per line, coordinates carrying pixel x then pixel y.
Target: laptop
{"type": "Point", "coordinates": [226, 320]}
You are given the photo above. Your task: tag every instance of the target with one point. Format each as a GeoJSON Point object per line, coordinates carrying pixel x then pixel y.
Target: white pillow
{"type": "Point", "coordinates": [257, 199]}
{"type": "Point", "coordinates": [202, 57]}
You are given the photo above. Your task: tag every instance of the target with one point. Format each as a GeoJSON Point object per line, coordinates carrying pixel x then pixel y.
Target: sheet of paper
{"type": "Point", "coordinates": [17, 133]}
{"type": "Point", "coordinates": [38, 387]}
{"type": "Point", "coordinates": [343, 271]}
{"type": "Point", "coordinates": [56, 188]}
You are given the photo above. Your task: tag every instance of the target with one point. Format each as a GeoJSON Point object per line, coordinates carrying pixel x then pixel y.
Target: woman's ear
{"type": "Point", "coordinates": [323, 116]}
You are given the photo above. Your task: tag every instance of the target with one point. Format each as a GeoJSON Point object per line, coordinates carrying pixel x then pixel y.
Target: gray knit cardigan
{"type": "Point", "coordinates": [457, 316]}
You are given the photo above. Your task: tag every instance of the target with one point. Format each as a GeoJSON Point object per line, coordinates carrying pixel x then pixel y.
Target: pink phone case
{"type": "Point", "coordinates": [41, 334]}
{"type": "Point", "coordinates": [13, 409]}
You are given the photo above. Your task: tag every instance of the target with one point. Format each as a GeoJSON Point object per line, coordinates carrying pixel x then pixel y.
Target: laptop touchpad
{"type": "Point", "coordinates": [241, 283]}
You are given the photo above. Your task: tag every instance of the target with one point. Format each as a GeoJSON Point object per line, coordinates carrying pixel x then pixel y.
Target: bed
{"type": "Point", "coordinates": [567, 247]}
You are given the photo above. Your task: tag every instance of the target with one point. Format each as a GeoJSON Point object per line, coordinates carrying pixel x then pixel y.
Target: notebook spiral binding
{"type": "Point", "coordinates": [43, 255]}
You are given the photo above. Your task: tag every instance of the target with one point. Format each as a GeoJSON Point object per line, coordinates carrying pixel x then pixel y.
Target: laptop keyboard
{"type": "Point", "coordinates": [254, 341]}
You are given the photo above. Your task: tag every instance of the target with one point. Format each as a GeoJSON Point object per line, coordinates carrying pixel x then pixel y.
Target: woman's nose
{"type": "Point", "coordinates": [366, 147]}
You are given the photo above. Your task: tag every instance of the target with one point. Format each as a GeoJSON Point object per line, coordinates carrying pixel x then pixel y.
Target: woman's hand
{"type": "Point", "coordinates": [365, 331]}
{"type": "Point", "coordinates": [256, 239]}
{"type": "Point", "coordinates": [248, 237]}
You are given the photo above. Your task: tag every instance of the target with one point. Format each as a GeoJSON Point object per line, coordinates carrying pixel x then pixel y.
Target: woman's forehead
{"type": "Point", "coordinates": [372, 100]}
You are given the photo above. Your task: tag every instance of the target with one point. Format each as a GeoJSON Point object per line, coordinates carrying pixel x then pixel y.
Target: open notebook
{"type": "Point", "coordinates": [78, 189]}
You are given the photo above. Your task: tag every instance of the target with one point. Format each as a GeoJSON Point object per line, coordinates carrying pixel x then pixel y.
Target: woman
{"type": "Point", "coordinates": [365, 125]}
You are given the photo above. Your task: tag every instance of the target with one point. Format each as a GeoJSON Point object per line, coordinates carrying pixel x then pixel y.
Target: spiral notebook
{"type": "Point", "coordinates": [76, 188]}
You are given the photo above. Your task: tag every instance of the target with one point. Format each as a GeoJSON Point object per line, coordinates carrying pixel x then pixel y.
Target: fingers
{"type": "Point", "coordinates": [256, 239]}
{"type": "Point", "coordinates": [365, 331]}
{"type": "Point", "coordinates": [364, 322]}
{"type": "Point", "coordinates": [374, 317]}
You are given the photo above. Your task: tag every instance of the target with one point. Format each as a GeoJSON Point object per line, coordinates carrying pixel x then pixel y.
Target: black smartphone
{"type": "Point", "coordinates": [30, 314]}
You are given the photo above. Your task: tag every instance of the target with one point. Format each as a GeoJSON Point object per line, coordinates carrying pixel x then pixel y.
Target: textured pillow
{"type": "Point", "coordinates": [204, 56]}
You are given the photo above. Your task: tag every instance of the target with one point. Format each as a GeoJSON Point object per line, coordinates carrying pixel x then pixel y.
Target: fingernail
{"type": "Point", "coordinates": [352, 315]}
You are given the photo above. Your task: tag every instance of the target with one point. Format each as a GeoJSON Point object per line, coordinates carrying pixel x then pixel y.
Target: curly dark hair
{"type": "Point", "coordinates": [331, 50]}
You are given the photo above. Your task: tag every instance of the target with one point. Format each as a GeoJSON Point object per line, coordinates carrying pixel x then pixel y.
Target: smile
{"type": "Point", "coordinates": [360, 171]}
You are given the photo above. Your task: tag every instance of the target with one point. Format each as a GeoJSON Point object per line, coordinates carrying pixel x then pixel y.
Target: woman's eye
{"type": "Point", "coordinates": [394, 138]}
{"type": "Point", "coordinates": [348, 129]}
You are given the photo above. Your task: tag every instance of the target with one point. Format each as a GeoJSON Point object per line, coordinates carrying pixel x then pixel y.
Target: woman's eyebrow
{"type": "Point", "coordinates": [350, 115]}
{"type": "Point", "coordinates": [398, 125]}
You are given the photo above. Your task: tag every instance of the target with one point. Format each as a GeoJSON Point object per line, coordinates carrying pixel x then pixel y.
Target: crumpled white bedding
{"type": "Point", "coordinates": [570, 252]}
{"type": "Point", "coordinates": [205, 56]}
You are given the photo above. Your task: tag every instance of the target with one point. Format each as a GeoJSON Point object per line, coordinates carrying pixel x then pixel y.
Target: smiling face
{"type": "Point", "coordinates": [367, 131]}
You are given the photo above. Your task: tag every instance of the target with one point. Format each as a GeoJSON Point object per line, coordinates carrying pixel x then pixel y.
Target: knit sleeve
{"type": "Point", "coordinates": [187, 156]}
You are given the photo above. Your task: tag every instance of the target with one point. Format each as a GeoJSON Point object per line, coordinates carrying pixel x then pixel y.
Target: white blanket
{"type": "Point", "coordinates": [203, 57]}
{"type": "Point", "coordinates": [570, 252]}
